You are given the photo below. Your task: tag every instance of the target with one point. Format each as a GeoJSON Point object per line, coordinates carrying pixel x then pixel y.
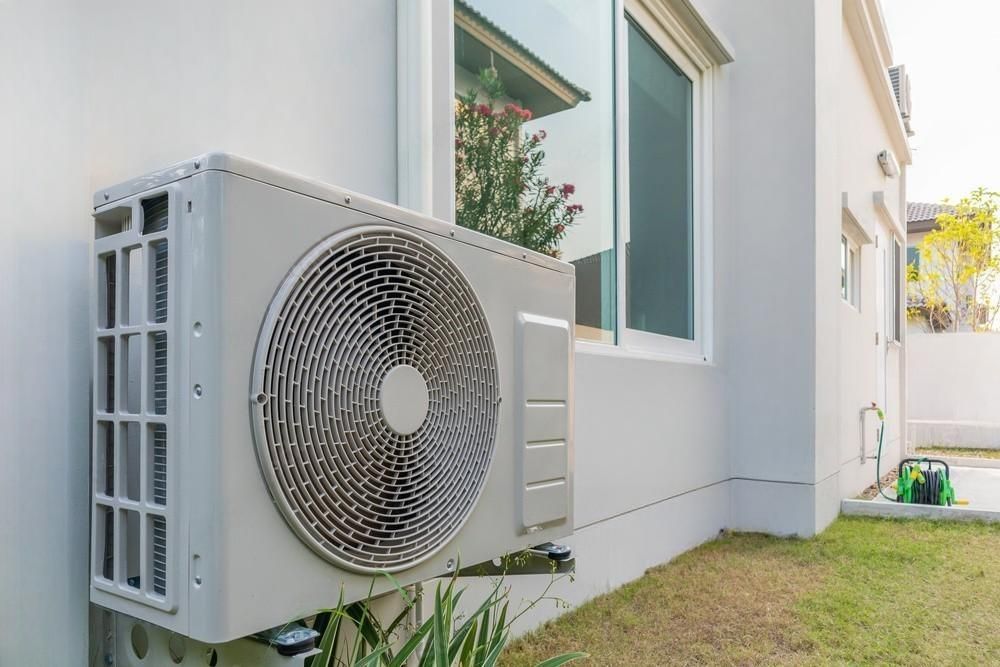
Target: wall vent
{"type": "Point", "coordinates": [155, 214]}
{"type": "Point", "coordinates": [132, 450]}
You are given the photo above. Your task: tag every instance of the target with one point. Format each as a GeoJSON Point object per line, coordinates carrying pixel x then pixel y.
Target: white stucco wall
{"type": "Point", "coordinates": [90, 97]}
{"type": "Point", "coordinates": [862, 132]}
{"type": "Point", "coordinates": [954, 379]}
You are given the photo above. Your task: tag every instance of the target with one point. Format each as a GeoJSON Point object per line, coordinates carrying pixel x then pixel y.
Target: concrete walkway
{"type": "Point", "coordinates": [980, 485]}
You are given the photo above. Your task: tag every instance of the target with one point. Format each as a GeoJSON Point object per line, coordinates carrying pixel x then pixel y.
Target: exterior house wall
{"type": "Point", "coordinates": [667, 453]}
{"type": "Point", "coordinates": [951, 395]}
{"type": "Point", "coordinates": [863, 133]}
{"type": "Point", "coordinates": [94, 97]}
{"type": "Point", "coordinates": [767, 348]}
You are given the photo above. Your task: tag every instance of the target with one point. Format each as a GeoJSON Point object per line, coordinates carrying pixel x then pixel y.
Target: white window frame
{"type": "Point", "coordinates": [897, 283]}
{"type": "Point", "coordinates": [852, 285]}
{"type": "Point", "coordinates": [669, 35]}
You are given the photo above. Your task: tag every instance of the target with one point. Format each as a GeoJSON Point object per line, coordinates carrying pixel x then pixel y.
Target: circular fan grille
{"type": "Point", "coordinates": [376, 399]}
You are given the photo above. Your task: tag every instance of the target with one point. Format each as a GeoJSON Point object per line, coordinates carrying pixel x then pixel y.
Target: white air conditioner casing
{"type": "Point", "coordinates": [296, 387]}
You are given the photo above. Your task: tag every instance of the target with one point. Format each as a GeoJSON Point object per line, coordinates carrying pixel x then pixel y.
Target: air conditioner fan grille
{"type": "Point", "coordinates": [357, 487]}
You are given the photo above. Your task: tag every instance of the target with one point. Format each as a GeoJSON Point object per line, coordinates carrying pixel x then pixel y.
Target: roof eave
{"type": "Point", "coordinates": [867, 27]}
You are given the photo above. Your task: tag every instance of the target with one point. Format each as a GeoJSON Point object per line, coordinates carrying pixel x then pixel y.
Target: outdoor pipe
{"type": "Point", "coordinates": [861, 425]}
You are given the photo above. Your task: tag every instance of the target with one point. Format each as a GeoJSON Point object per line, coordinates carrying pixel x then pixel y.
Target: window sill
{"type": "Point", "coordinates": [610, 350]}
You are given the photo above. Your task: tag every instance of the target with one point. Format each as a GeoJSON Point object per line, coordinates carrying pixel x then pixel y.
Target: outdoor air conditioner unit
{"type": "Point", "coordinates": [297, 387]}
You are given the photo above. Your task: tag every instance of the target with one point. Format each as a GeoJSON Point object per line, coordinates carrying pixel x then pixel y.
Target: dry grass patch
{"type": "Point", "coordinates": [959, 451]}
{"type": "Point", "coordinates": [866, 591]}
{"type": "Point", "coordinates": [720, 604]}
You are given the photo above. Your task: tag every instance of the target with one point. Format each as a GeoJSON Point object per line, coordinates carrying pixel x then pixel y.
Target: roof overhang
{"type": "Point", "coordinates": [881, 203]}
{"type": "Point", "coordinates": [916, 226]}
{"type": "Point", "coordinates": [479, 43]}
{"type": "Point", "coordinates": [852, 226]}
{"type": "Point", "coordinates": [867, 27]}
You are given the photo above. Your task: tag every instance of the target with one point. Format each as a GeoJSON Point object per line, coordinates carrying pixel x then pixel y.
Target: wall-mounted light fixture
{"type": "Point", "coordinates": [888, 163]}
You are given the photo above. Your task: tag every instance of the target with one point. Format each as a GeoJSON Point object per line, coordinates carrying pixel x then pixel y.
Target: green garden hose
{"type": "Point", "coordinates": [878, 456]}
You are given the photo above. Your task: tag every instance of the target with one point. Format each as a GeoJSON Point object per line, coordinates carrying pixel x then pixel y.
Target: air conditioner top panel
{"type": "Point", "coordinates": [240, 166]}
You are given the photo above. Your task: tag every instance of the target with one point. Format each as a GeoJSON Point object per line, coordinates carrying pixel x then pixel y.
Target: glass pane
{"type": "Point", "coordinates": [534, 124]}
{"type": "Point", "coordinates": [659, 248]}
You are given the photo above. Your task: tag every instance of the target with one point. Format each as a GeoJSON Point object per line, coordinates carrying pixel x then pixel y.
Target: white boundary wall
{"type": "Point", "coordinates": [954, 389]}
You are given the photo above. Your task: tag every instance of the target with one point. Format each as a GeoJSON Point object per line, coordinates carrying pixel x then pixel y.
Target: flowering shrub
{"type": "Point", "coordinates": [499, 186]}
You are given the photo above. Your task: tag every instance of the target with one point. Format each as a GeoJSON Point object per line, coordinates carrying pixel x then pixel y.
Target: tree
{"type": "Point", "coordinates": [499, 186]}
{"type": "Point", "coordinates": [955, 285]}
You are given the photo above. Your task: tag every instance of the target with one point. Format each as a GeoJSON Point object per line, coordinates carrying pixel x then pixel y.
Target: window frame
{"type": "Point", "coordinates": [654, 19]}
{"type": "Point", "coordinates": [850, 262]}
{"type": "Point", "coordinates": [897, 280]}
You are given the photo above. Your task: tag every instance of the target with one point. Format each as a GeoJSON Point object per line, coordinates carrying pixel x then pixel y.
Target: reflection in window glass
{"type": "Point", "coordinates": [554, 61]}
{"type": "Point", "coordinates": [659, 247]}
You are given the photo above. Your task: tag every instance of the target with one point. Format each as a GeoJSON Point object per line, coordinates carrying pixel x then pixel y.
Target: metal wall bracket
{"type": "Point", "coordinates": [545, 558]}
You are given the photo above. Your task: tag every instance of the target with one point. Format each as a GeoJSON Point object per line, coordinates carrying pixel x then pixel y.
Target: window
{"type": "Point", "coordinates": [620, 109]}
{"type": "Point", "coordinates": [554, 61]}
{"type": "Point", "coordinates": [850, 272]}
{"type": "Point", "coordinates": [659, 238]}
{"type": "Point", "coordinates": [896, 298]}
{"type": "Point", "coordinates": [913, 257]}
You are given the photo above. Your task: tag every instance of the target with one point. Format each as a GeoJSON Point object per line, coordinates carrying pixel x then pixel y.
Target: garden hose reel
{"type": "Point", "coordinates": [924, 481]}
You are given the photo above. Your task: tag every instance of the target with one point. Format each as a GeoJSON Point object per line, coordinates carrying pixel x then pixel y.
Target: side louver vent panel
{"type": "Point", "coordinates": [155, 214]}
{"type": "Point", "coordinates": [376, 399]}
{"type": "Point", "coordinates": [132, 512]}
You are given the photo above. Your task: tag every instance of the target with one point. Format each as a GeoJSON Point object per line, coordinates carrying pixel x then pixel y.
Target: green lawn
{"type": "Point", "coordinates": [866, 591]}
{"type": "Point", "coordinates": [959, 451]}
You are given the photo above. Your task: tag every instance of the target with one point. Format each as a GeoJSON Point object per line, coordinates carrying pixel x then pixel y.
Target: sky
{"type": "Point", "coordinates": [951, 49]}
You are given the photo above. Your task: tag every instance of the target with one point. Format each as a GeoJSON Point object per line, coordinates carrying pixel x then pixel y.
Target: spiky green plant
{"type": "Point", "coordinates": [443, 640]}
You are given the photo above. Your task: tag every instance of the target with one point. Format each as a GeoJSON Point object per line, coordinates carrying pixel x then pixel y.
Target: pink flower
{"type": "Point", "coordinates": [575, 208]}
{"type": "Point", "coordinates": [535, 138]}
{"type": "Point", "coordinates": [560, 228]}
{"type": "Point", "coordinates": [526, 114]}
{"type": "Point", "coordinates": [542, 134]}
{"type": "Point", "coordinates": [568, 189]}
{"type": "Point", "coordinates": [484, 110]}
{"type": "Point", "coordinates": [549, 190]}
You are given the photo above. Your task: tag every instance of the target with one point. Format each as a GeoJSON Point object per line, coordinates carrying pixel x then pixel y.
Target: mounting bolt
{"type": "Point", "coordinates": [197, 164]}
{"type": "Point", "coordinates": [197, 580]}
{"type": "Point", "coordinates": [197, 391]}
{"type": "Point", "coordinates": [450, 565]}
{"type": "Point", "coordinates": [106, 196]}
{"type": "Point", "coordinates": [452, 232]}
{"type": "Point", "coordinates": [347, 199]}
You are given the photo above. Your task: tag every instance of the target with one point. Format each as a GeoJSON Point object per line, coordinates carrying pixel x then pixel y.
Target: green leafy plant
{"type": "Point", "coordinates": [353, 636]}
{"type": "Point", "coordinates": [957, 283]}
{"type": "Point", "coordinates": [500, 188]}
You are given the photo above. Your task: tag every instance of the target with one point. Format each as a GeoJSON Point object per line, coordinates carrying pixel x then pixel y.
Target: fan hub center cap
{"type": "Point", "coordinates": [403, 399]}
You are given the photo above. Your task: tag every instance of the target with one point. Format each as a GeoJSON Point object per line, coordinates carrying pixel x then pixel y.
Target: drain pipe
{"type": "Point", "coordinates": [415, 618]}
{"type": "Point", "coordinates": [861, 426]}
